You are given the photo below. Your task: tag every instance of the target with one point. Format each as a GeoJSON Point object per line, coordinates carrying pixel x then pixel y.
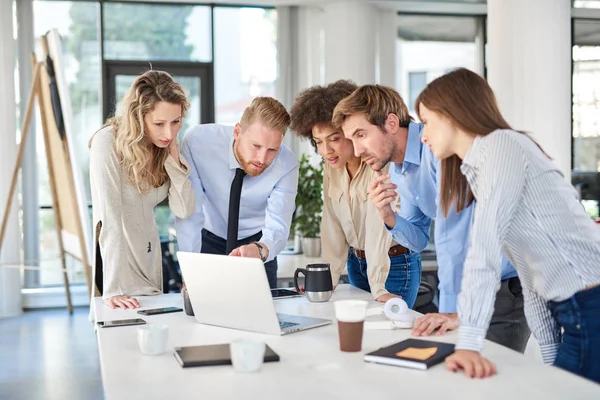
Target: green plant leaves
{"type": "Point", "coordinates": [309, 200]}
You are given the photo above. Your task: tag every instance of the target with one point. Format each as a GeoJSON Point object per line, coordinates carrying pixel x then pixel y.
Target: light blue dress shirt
{"type": "Point", "coordinates": [417, 180]}
{"type": "Point", "coordinates": [267, 201]}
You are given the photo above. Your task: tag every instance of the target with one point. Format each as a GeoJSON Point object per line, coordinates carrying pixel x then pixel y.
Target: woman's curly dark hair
{"type": "Point", "coordinates": [315, 105]}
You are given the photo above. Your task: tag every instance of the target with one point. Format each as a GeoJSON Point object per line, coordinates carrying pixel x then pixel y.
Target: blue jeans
{"type": "Point", "coordinates": [403, 279]}
{"type": "Point", "coordinates": [579, 316]}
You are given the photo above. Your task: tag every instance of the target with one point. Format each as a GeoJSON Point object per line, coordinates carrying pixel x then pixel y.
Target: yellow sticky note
{"type": "Point", "coordinates": [415, 353]}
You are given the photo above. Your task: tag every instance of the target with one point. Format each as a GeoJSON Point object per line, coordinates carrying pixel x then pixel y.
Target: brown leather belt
{"type": "Point", "coordinates": [394, 251]}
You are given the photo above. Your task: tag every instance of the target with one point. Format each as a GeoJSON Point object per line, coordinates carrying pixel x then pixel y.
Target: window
{"type": "Point", "coordinates": [156, 32]}
{"type": "Point", "coordinates": [245, 65]}
{"type": "Point", "coordinates": [416, 83]}
{"type": "Point", "coordinates": [586, 103]}
{"type": "Point", "coordinates": [430, 46]}
{"type": "Point", "coordinates": [245, 59]}
{"type": "Point", "coordinates": [78, 25]}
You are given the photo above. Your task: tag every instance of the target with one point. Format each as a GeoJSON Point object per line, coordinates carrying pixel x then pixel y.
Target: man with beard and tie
{"type": "Point", "coordinates": [245, 181]}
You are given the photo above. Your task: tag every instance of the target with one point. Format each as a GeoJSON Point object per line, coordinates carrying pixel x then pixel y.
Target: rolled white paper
{"type": "Point", "coordinates": [396, 309]}
{"type": "Point", "coordinates": [395, 314]}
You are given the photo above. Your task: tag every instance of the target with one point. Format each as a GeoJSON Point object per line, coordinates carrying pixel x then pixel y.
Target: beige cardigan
{"type": "Point", "coordinates": [350, 219]}
{"type": "Point", "coordinates": [124, 222]}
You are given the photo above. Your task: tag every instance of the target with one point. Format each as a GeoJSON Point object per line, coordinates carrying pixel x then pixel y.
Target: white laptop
{"type": "Point", "coordinates": [233, 292]}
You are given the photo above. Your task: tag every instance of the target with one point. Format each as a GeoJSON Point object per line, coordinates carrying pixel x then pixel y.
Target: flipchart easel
{"type": "Point", "coordinates": [66, 205]}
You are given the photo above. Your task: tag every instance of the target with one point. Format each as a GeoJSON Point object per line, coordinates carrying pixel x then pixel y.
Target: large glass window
{"type": "Point", "coordinates": [150, 32]}
{"type": "Point", "coordinates": [586, 102]}
{"type": "Point", "coordinates": [78, 25]}
{"type": "Point", "coordinates": [245, 59]}
{"type": "Point", "coordinates": [430, 46]}
{"type": "Point", "coordinates": [245, 65]}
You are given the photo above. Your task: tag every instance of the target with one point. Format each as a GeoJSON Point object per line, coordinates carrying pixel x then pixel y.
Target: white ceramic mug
{"type": "Point", "coordinates": [247, 354]}
{"type": "Point", "coordinates": [152, 339]}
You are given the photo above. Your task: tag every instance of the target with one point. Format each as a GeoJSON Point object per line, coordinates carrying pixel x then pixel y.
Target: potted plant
{"type": "Point", "coordinates": [309, 206]}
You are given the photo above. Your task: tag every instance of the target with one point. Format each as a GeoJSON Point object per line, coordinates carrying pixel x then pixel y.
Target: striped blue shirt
{"type": "Point", "coordinates": [417, 178]}
{"type": "Point", "coordinates": [528, 212]}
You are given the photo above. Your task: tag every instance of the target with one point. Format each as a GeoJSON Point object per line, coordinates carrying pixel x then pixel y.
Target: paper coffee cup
{"type": "Point", "coordinates": [350, 315]}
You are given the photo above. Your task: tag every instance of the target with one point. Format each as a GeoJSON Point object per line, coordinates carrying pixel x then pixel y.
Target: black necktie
{"type": "Point", "coordinates": [233, 218]}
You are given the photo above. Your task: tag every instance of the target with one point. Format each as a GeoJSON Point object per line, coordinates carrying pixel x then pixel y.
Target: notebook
{"type": "Point", "coordinates": [215, 354]}
{"type": "Point", "coordinates": [412, 353]}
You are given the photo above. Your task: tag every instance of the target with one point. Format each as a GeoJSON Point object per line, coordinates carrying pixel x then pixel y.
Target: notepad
{"type": "Point", "coordinates": [412, 353]}
{"type": "Point", "coordinates": [417, 353]}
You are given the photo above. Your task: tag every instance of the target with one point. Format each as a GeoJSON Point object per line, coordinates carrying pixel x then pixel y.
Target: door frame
{"type": "Point", "coordinates": [203, 71]}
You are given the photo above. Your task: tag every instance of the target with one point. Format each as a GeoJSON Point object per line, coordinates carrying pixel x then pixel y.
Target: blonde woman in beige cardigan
{"type": "Point", "coordinates": [134, 165]}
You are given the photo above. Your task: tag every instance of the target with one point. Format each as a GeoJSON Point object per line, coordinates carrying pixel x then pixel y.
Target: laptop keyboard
{"type": "Point", "coordinates": [284, 325]}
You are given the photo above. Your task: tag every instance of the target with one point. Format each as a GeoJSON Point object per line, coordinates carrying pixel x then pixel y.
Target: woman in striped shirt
{"type": "Point", "coordinates": [526, 211]}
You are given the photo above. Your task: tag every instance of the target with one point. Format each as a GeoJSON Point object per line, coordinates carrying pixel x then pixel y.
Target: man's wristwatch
{"type": "Point", "coordinates": [261, 251]}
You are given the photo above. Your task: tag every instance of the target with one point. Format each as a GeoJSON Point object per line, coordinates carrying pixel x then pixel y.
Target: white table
{"type": "Point", "coordinates": [311, 366]}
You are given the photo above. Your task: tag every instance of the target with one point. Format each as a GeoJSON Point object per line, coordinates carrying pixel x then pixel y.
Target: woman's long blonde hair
{"type": "Point", "coordinates": [145, 162]}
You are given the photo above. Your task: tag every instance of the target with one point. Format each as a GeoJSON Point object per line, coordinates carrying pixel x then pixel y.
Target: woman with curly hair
{"type": "Point", "coordinates": [134, 165]}
{"type": "Point", "coordinates": [352, 233]}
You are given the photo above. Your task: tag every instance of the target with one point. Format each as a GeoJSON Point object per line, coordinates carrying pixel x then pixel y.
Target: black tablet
{"type": "Point", "coordinates": [215, 354]}
{"type": "Point", "coordinates": [284, 293]}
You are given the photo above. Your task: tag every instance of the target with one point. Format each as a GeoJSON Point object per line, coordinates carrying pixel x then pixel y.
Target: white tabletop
{"type": "Point", "coordinates": [311, 366]}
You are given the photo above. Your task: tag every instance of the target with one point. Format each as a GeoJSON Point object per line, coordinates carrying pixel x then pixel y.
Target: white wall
{"type": "Point", "coordinates": [350, 41]}
{"type": "Point", "coordinates": [341, 40]}
{"type": "Point", "coordinates": [529, 68]}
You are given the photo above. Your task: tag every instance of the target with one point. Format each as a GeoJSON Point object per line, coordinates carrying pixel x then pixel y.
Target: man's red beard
{"type": "Point", "coordinates": [249, 167]}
